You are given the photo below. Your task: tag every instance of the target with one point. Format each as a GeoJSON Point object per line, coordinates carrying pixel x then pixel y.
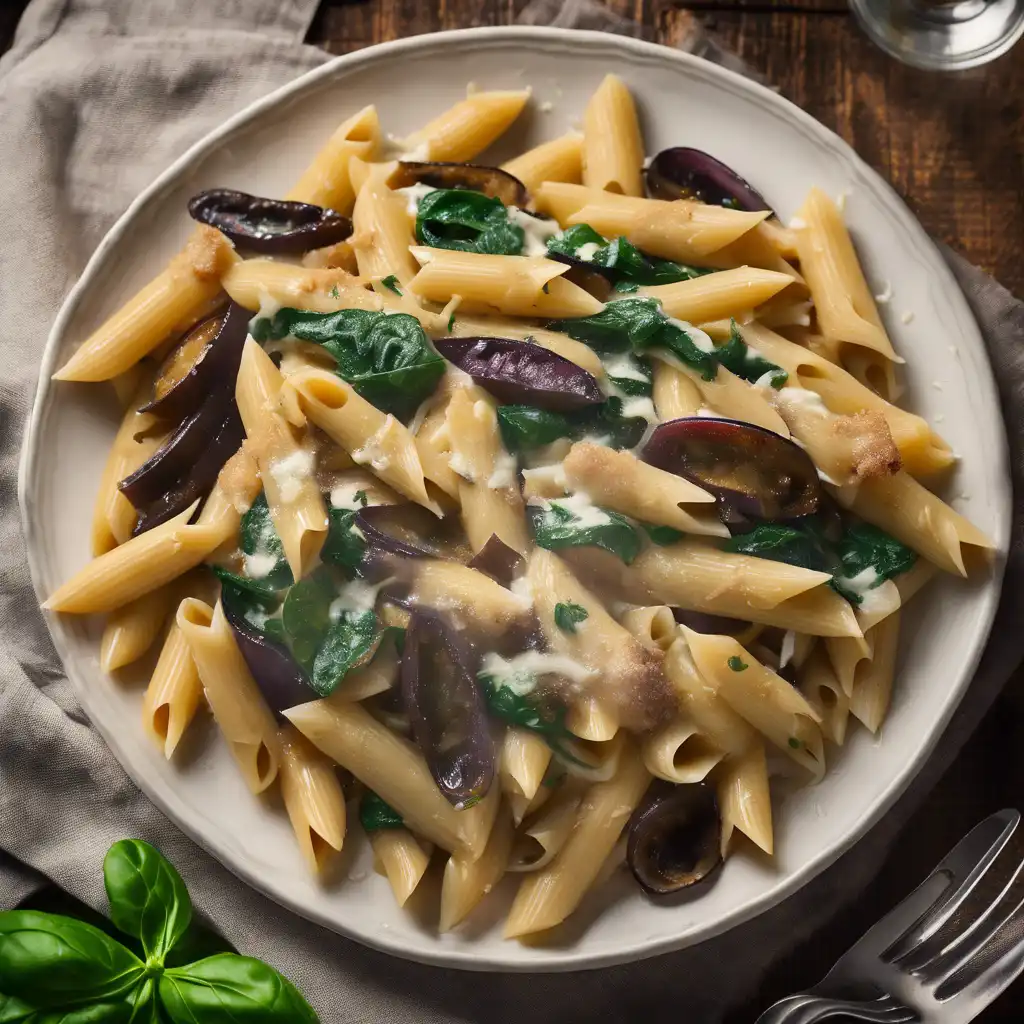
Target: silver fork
{"type": "Point", "coordinates": [946, 952]}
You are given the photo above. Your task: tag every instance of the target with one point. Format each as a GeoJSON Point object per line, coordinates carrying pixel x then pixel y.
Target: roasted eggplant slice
{"type": "Point", "coordinates": [410, 531]}
{"type": "Point", "coordinates": [675, 838]}
{"type": "Point", "coordinates": [491, 181]}
{"type": "Point", "coordinates": [207, 357]}
{"type": "Point", "coordinates": [755, 474]}
{"type": "Point", "coordinates": [269, 226]}
{"type": "Point", "coordinates": [684, 173]}
{"type": "Point", "coordinates": [446, 710]}
{"type": "Point", "coordinates": [200, 476]}
{"type": "Point", "coordinates": [497, 560]}
{"type": "Point", "coordinates": [521, 373]}
{"type": "Point", "coordinates": [172, 461]}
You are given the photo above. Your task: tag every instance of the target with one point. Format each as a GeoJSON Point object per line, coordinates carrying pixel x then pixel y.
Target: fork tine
{"type": "Point", "coordinates": [962, 867]}
{"type": "Point", "coordinates": [991, 971]}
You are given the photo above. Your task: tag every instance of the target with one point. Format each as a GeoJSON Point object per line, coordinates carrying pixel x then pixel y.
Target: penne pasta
{"type": "Point", "coordinates": [743, 799]}
{"type": "Point", "coordinates": [872, 682]}
{"type": "Point", "coordinates": [131, 630]}
{"type": "Point", "coordinates": [680, 753]}
{"type": "Point", "coordinates": [717, 296]}
{"type": "Point", "coordinates": [242, 715]}
{"type": "Point", "coordinates": [313, 799]}
{"type": "Point", "coordinates": [820, 684]}
{"type": "Point", "coordinates": [382, 232]}
{"type": "Point", "coordinates": [523, 761]}
{"type": "Point", "coordinates": [401, 858]}
{"type": "Point", "coordinates": [546, 831]}
{"type": "Point", "coordinates": [613, 151]}
{"type": "Point", "coordinates": [266, 285]}
{"type": "Point", "coordinates": [654, 626]}
{"type": "Point", "coordinates": [467, 128]}
{"type": "Point", "coordinates": [560, 159]}
{"type": "Point", "coordinates": [173, 695]}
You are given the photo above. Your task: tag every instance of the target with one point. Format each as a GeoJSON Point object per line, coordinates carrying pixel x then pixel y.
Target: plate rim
{"type": "Point", "coordinates": [559, 960]}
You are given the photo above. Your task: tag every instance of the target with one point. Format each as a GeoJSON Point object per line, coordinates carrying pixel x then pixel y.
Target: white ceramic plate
{"type": "Point", "coordinates": [683, 101]}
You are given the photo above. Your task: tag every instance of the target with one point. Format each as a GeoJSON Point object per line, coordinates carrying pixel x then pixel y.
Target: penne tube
{"type": "Point", "coordinates": [654, 626]}
{"type": "Point", "coordinates": [466, 882]}
{"type": "Point", "coordinates": [488, 489]}
{"type": "Point", "coordinates": [131, 630]}
{"type": "Point", "coordinates": [237, 487]}
{"type": "Point", "coordinates": [769, 703]}
{"type": "Point", "coordinates": [173, 694]}
{"type": "Point", "coordinates": [547, 897]}
{"type": "Point", "coordinates": [912, 514]}
{"type": "Point", "coordinates": [401, 858]}
{"type": "Point", "coordinates": [522, 764]}
{"type": "Point", "coordinates": [379, 676]}
{"type": "Point", "coordinates": [287, 466]}
{"type": "Point", "coordinates": [371, 437]}
{"type": "Point", "coordinates": [620, 481]}
{"type": "Point", "coordinates": [744, 802]}
{"type": "Point", "coordinates": [242, 715]}
{"type": "Point", "coordinates": [730, 396]}
{"type": "Point", "coordinates": [757, 248]}
{"type": "Point", "coordinates": [546, 830]}
{"type": "Point", "coordinates": [327, 181]}
{"type": "Point", "coordinates": [674, 230]}
{"type": "Point", "coordinates": [516, 285]}
{"type": "Point", "coordinates": [872, 682]}
{"type": "Point", "coordinates": [467, 128]}
{"type": "Point", "coordinates": [590, 720]}
{"type": "Point", "coordinates": [114, 516]}
{"type": "Point", "coordinates": [696, 576]}
{"type": "Point", "coordinates": [717, 296]}
{"type": "Point", "coordinates": [922, 451]}
{"type": "Point", "coordinates": [382, 232]}
{"type": "Point", "coordinates": [675, 395]}
{"type": "Point", "coordinates": [384, 762]}
{"type": "Point", "coordinates": [313, 799]}
{"type": "Point", "coordinates": [505, 327]}
{"type": "Point", "coordinates": [842, 299]}
{"type": "Point", "coordinates": [138, 566]}
{"type": "Point", "coordinates": [433, 444]}
{"type": "Point", "coordinates": [174, 300]}
{"type": "Point", "coordinates": [701, 703]}
{"type": "Point", "coordinates": [613, 149]}
{"type": "Point", "coordinates": [620, 674]}
{"type": "Point", "coordinates": [267, 285]}
{"type": "Point", "coordinates": [679, 753]}
{"type": "Point", "coordinates": [560, 159]}
{"type": "Point", "coordinates": [821, 687]}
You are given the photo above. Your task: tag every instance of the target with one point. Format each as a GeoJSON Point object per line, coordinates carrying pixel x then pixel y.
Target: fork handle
{"type": "Point", "coordinates": [804, 1008]}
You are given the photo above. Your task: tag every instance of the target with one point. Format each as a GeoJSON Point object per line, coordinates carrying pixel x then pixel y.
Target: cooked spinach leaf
{"type": "Point", "coordinates": [376, 813]}
{"type": "Point", "coordinates": [737, 356]}
{"type": "Point", "coordinates": [558, 525]}
{"type": "Point", "coordinates": [351, 641]}
{"type": "Point", "coordinates": [804, 547]}
{"type": "Point", "coordinates": [866, 549]}
{"type": "Point", "coordinates": [345, 544]}
{"type": "Point", "coordinates": [259, 540]}
{"type": "Point", "coordinates": [662, 535]}
{"type": "Point", "coordinates": [544, 718]}
{"type": "Point", "coordinates": [386, 357]}
{"type": "Point", "coordinates": [639, 383]}
{"type": "Point", "coordinates": [524, 427]}
{"type": "Point", "coordinates": [623, 260]}
{"type": "Point", "coordinates": [467, 221]}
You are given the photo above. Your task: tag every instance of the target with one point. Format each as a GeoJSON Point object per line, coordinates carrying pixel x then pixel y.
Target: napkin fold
{"type": "Point", "coordinates": [96, 98]}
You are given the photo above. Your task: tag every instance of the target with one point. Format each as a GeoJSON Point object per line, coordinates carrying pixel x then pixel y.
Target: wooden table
{"type": "Point", "coordinates": [953, 146]}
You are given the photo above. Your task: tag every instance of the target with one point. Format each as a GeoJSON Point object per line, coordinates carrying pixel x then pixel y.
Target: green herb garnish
{"type": "Point", "coordinates": [737, 664]}
{"type": "Point", "coordinates": [557, 526]}
{"type": "Point", "coordinates": [568, 615]}
{"type": "Point", "coordinates": [391, 283]}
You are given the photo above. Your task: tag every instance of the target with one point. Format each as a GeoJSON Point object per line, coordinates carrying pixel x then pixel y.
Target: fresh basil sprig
{"type": "Point", "coordinates": [386, 357]}
{"type": "Point", "coordinates": [619, 258]}
{"type": "Point", "coordinates": [59, 970]}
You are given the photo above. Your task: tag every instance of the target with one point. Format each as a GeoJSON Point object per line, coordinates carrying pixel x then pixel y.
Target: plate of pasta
{"type": "Point", "coordinates": [541, 497]}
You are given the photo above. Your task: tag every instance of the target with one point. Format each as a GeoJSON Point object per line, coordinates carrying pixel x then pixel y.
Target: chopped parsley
{"type": "Point", "coordinates": [361, 497]}
{"type": "Point", "coordinates": [737, 664]}
{"type": "Point", "coordinates": [334, 293]}
{"type": "Point", "coordinates": [451, 323]}
{"type": "Point", "coordinates": [391, 283]}
{"type": "Point", "coordinates": [567, 615]}
{"type": "Point", "coordinates": [795, 743]}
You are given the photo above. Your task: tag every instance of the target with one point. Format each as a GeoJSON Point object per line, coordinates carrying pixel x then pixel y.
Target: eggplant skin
{"type": "Point", "coordinates": [199, 478]}
{"type": "Point", "coordinates": [491, 181]}
{"type": "Point", "coordinates": [217, 361]}
{"type": "Point", "coordinates": [269, 226]}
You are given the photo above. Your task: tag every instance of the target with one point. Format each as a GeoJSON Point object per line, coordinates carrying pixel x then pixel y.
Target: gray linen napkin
{"type": "Point", "coordinates": [96, 98]}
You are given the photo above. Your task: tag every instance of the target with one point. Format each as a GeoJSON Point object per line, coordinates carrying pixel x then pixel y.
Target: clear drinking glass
{"type": "Point", "coordinates": [942, 35]}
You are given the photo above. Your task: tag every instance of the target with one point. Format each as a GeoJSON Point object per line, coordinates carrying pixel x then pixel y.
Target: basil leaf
{"type": "Point", "coordinates": [258, 537]}
{"type": "Point", "coordinates": [619, 256]}
{"type": "Point", "coordinates": [468, 222]}
{"type": "Point", "coordinates": [556, 526]}
{"type": "Point", "coordinates": [376, 813]}
{"type": "Point", "coordinates": [386, 357]}
{"type": "Point", "coordinates": [782, 543]}
{"type": "Point", "coordinates": [662, 535]}
{"type": "Point", "coordinates": [15, 1012]}
{"type": "Point", "coordinates": [144, 1003]}
{"type": "Point", "coordinates": [736, 355]}
{"type": "Point", "coordinates": [198, 942]}
{"type": "Point", "coordinates": [864, 546]}
{"type": "Point", "coordinates": [522, 427]}
{"type": "Point", "coordinates": [391, 283]}
{"type": "Point", "coordinates": [231, 989]}
{"type": "Point", "coordinates": [351, 641]}
{"type": "Point", "coordinates": [569, 615]}
{"type": "Point", "coordinates": [148, 899]}
{"type": "Point", "coordinates": [52, 960]}
{"type": "Point", "coordinates": [345, 544]}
